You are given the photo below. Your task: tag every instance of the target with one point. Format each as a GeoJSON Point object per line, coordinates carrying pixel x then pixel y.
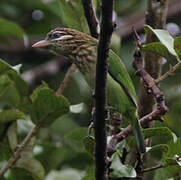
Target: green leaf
{"type": "Point", "coordinates": [89, 144]}
{"type": "Point", "coordinates": [29, 163]}
{"type": "Point", "coordinates": [177, 45]}
{"type": "Point", "coordinates": [73, 8]}
{"type": "Point", "coordinates": [90, 174]}
{"type": "Point", "coordinates": [120, 170]}
{"type": "Point", "coordinates": [11, 115]}
{"type": "Point", "coordinates": [89, 177]}
{"type": "Point", "coordinates": [11, 28]}
{"type": "Point", "coordinates": [159, 131]}
{"type": "Point", "coordinates": [165, 39]}
{"type": "Point", "coordinates": [174, 152]}
{"type": "Point", "coordinates": [47, 107]}
{"type": "Point", "coordinates": [5, 67]}
{"type": "Point", "coordinates": [54, 6]}
{"type": "Point", "coordinates": [158, 48]}
{"type": "Point", "coordinates": [5, 149]}
{"type": "Point", "coordinates": [8, 91]}
{"type": "Point", "coordinates": [75, 138]}
{"type": "Point", "coordinates": [163, 148]}
{"type": "Point", "coordinates": [13, 73]}
{"type": "Point", "coordinates": [34, 95]}
{"type": "Point", "coordinates": [176, 160]}
{"type": "Point", "coordinates": [12, 136]}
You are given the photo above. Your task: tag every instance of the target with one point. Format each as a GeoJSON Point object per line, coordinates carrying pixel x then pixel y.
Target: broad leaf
{"type": "Point", "coordinates": [47, 107]}
{"type": "Point", "coordinates": [13, 73]}
{"type": "Point", "coordinates": [174, 153]}
{"type": "Point", "coordinates": [12, 136]}
{"type": "Point", "coordinates": [177, 45]}
{"type": "Point", "coordinates": [159, 131]}
{"type": "Point", "coordinates": [158, 48]}
{"type": "Point", "coordinates": [54, 6]}
{"type": "Point", "coordinates": [8, 91]}
{"type": "Point", "coordinates": [165, 39]}
{"type": "Point", "coordinates": [75, 138]}
{"type": "Point", "coordinates": [120, 170]}
{"type": "Point", "coordinates": [163, 148]}
{"type": "Point", "coordinates": [34, 95]}
{"type": "Point", "coordinates": [89, 143]}
{"type": "Point", "coordinates": [73, 8]}
{"type": "Point", "coordinates": [90, 174]}
{"type": "Point", "coordinates": [29, 163]}
{"type": "Point", "coordinates": [11, 115]}
{"type": "Point", "coordinates": [11, 28]}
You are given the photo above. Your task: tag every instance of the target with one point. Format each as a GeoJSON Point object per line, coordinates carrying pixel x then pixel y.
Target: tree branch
{"type": "Point", "coordinates": [168, 73]}
{"type": "Point", "coordinates": [17, 153]}
{"type": "Point", "coordinates": [106, 31]}
{"type": "Point", "coordinates": [156, 18]}
{"type": "Point", "coordinates": [66, 79]}
{"type": "Point", "coordinates": [154, 168]}
{"type": "Point", "coordinates": [91, 17]}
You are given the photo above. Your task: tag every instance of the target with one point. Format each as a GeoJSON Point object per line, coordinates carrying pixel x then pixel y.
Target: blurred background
{"type": "Point", "coordinates": [23, 23]}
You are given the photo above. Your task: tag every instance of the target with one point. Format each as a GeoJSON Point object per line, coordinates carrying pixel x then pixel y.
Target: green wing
{"type": "Point", "coordinates": [119, 73]}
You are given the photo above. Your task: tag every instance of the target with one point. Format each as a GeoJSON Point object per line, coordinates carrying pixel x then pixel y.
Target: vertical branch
{"type": "Point", "coordinates": [156, 13]}
{"type": "Point", "coordinates": [91, 17]}
{"type": "Point", "coordinates": [155, 16]}
{"type": "Point", "coordinates": [106, 31]}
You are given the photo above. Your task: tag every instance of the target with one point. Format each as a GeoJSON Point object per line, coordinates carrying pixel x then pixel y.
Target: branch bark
{"type": "Point", "coordinates": [66, 79]}
{"type": "Point", "coordinates": [155, 16]}
{"type": "Point", "coordinates": [17, 153]}
{"type": "Point", "coordinates": [106, 31]}
{"type": "Point", "coordinates": [90, 15]}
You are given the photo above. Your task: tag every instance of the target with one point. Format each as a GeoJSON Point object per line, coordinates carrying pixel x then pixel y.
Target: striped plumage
{"type": "Point", "coordinates": [78, 47]}
{"type": "Point", "coordinates": [81, 49]}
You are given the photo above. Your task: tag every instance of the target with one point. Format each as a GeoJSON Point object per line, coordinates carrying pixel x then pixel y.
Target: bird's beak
{"type": "Point", "coordinates": [41, 44]}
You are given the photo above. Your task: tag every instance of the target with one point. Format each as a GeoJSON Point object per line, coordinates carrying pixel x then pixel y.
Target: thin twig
{"type": "Point", "coordinates": [106, 31]}
{"type": "Point", "coordinates": [90, 15]}
{"type": "Point", "coordinates": [168, 73]}
{"type": "Point", "coordinates": [16, 155]}
{"type": "Point", "coordinates": [66, 80]}
{"type": "Point", "coordinates": [154, 168]}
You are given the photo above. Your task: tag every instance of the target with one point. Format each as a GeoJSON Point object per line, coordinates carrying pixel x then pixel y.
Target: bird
{"type": "Point", "coordinates": [81, 49]}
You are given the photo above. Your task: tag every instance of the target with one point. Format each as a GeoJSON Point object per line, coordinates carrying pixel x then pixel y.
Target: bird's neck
{"type": "Point", "coordinates": [84, 57]}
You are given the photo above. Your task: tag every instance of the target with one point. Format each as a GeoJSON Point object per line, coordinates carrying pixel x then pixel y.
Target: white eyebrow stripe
{"type": "Point", "coordinates": [61, 32]}
{"type": "Point", "coordinates": [64, 37]}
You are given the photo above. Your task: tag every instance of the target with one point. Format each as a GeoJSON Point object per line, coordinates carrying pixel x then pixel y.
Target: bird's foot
{"type": "Point", "coordinates": [113, 121]}
{"type": "Point", "coordinates": [91, 125]}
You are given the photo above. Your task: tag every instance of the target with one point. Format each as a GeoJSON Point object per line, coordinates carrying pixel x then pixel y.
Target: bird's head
{"type": "Point", "coordinates": [68, 42]}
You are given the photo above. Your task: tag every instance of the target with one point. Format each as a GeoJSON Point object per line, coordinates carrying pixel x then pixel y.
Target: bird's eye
{"type": "Point", "coordinates": [56, 35]}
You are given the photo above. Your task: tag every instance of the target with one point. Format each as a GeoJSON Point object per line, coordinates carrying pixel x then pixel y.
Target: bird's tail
{"type": "Point", "coordinates": [139, 137]}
